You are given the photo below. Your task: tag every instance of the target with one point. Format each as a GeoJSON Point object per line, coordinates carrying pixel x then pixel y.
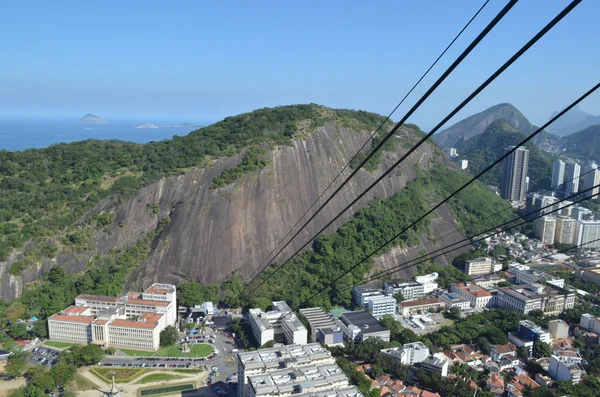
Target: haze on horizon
{"type": "Point", "coordinates": [199, 61]}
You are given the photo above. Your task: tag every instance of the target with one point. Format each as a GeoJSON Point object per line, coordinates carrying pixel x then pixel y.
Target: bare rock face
{"type": "Point", "coordinates": [214, 233]}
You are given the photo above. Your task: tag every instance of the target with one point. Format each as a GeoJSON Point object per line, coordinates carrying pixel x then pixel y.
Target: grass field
{"type": "Point", "coordinates": [121, 374]}
{"type": "Point", "coordinates": [83, 383]}
{"type": "Point", "coordinates": [59, 345]}
{"type": "Point", "coordinates": [167, 389]}
{"type": "Point", "coordinates": [188, 371]}
{"type": "Point", "coordinates": [197, 350]}
{"type": "Point", "coordinates": [157, 377]}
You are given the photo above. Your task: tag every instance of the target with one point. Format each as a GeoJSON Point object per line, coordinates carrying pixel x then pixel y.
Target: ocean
{"type": "Point", "coordinates": [21, 134]}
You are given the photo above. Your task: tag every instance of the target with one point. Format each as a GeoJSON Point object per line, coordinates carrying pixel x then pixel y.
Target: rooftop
{"type": "Point", "coordinates": [288, 380]}
{"type": "Point", "coordinates": [100, 298]}
{"type": "Point", "coordinates": [291, 355]}
{"type": "Point", "coordinates": [474, 289]}
{"type": "Point", "coordinates": [420, 302]}
{"type": "Point", "coordinates": [146, 302]}
{"type": "Point", "coordinates": [76, 310]}
{"type": "Point", "coordinates": [72, 319]}
{"type": "Point", "coordinates": [366, 289]}
{"type": "Point", "coordinates": [363, 320]}
{"type": "Point", "coordinates": [160, 289]}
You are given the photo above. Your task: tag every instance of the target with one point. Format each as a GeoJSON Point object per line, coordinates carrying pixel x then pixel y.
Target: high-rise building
{"type": "Point", "coordinates": [588, 235]}
{"type": "Point", "coordinates": [591, 178]}
{"type": "Point", "coordinates": [515, 174]}
{"type": "Point", "coordinates": [545, 229]}
{"type": "Point", "coordinates": [566, 230]}
{"type": "Point", "coordinates": [558, 173]}
{"type": "Point", "coordinates": [572, 178]}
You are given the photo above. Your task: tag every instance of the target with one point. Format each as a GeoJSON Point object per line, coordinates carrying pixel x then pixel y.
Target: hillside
{"type": "Point", "coordinates": [476, 124]}
{"type": "Point", "coordinates": [565, 124]}
{"type": "Point", "coordinates": [115, 214]}
{"type": "Point", "coordinates": [583, 145]}
{"type": "Point", "coordinates": [485, 148]}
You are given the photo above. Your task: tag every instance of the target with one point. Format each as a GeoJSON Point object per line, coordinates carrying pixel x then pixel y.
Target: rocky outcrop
{"type": "Point", "coordinates": [92, 119]}
{"type": "Point", "coordinates": [214, 233]}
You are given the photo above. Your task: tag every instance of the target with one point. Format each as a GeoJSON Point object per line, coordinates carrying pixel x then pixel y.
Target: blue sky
{"type": "Point", "coordinates": [206, 60]}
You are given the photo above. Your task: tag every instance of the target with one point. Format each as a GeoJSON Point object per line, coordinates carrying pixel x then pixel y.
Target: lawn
{"type": "Point", "coordinates": [197, 350]}
{"type": "Point", "coordinates": [188, 371]}
{"type": "Point", "coordinates": [83, 383]}
{"type": "Point", "coordinates": [122, 375]}
{"type": "Point", "coordinates": [157, 377]}
{"type": "Point", "coordinates": [59, 345]}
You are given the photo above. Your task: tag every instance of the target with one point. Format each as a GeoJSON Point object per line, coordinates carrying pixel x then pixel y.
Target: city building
{"type": "Point", "coordinates": [483, 265]}
{"type": "Point", "coordinates": [421, 305]}
{"type": "Point", "coordinates": [363, 325]}
{"type": "Point", "coordinates": [380, 306]}
{"type": "Point", "coordinates": [591, 275]}
{"type": "Point", "coordinates": [565, 368]}
{"type": "Point", "coordinates": [488, 280]}
{"type": "Point", "coordinates": [362, 293]}
{"type": "Point", "coordinates": [409, 353]}
{"type": "Point", "coordinates": [477, 296]}
{"type": "Point", "coordinates": [464, 164]}
{"type": "Point", "coordinates": [428, 282]}
{"type": "Point", "coordinates": [545, 229]}
{"type": "Point", "coordinates": [281, 320]}
{"type": "Point", "coordinates": [527, 297]}
{"type": "Point", "coordinates": [410, 290]}
{"type": "Point", "coordinates": [591, 178]}
{"type": "Point", "coordinates": [539, 204]}
{"type": "Point", "coordinates": [558, 329]}
{"type": "Point", "coordinates": [582, 214]}
{"type": "Point", "coordinates": [264, 361]}
{"type": "Point", "coordinates": [515, 172]}
{"type": "Point", "coordinates": [590, 323]}
{"type": "Point", "coordinates": [588, 235]}
{"type": "Point", "coordinates": [332, 336]}
{"type": "Point", "coordinates": [566, 230]}
{"type": "Point", "coordinates": [527, 334]}
{"type": "Point", "coordinates": [451, 151]}
{"type": "Point", "coordinates": [530, 276]}
{"type": "Point", "coordinates": [452, 300]}
{"type": "Point", "coordinates": [558, 174]}
{"type": "Point", "coordinates": [572, 178]}
{"type": "Point", "coordinates": [317, 318]}
{"type": "Point", "coordinates": [132, 321]}
{"type": "Point", "coordinates": [437, 362]}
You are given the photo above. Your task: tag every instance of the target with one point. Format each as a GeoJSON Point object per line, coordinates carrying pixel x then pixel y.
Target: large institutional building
{"type": "Point", "coordinates": [281, 320]}
{"type": "Point", "coordinates": [133, 321]}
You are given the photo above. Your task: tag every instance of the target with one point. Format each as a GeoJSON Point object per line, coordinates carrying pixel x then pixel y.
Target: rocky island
{"type": "Point", "coordinates": [92, 119]}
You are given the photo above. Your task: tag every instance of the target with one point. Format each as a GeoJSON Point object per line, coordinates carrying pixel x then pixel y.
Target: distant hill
{"type": "Point", "coordinates": [478, 123]}
{"type": "Point", "coordinates": [583, 145]}
{"type": "Point", "coordinates": [572, 121]}
{"type": "Point", "coordinates": [488, 146]}
{"type": "Point", "coordinates": [92, 119]}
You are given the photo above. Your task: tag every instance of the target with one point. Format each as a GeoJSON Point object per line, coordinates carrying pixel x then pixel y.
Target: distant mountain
{"type": "Point", "coordinates": [92, 119]}
{"type": "Point", "coordinates": [478, 123]}
{"type": "Point", "coordinates": [485, 148]}
{"type": "Point", "coordinates": [583, 145]}
{"type": "Point", "coordinates": [572, 121]}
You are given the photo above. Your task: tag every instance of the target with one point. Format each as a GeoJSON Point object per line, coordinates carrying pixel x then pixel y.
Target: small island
{"type": "Point", "coordinates": [92, 119]}
{"type": "Point", "coordinates": [146, 125]}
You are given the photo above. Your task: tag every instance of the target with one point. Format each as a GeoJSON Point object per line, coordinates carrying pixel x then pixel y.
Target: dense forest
{"type": "Point", "coordinates": [44, 192]}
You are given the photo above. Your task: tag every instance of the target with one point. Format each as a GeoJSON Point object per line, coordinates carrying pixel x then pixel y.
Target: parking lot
{"type": "Point", "coordinates": [423, 323]}
{"type": "Point", "coordinates": [44, 356]}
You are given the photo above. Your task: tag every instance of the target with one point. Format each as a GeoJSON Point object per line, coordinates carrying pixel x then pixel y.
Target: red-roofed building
{"type": "Point", "coordinates": [495, 384]}
{"type": "Point", "coordinates": [479, 297]}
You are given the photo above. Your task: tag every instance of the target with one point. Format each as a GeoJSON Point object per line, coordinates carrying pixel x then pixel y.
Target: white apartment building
{"type": "Point", "coordinates": [590, 323]}
{"type": "Point", "coordinates": [588, 235]}
{"type": "Point", "coordinates": [264, 361]}
{"type": "Point", "coordinates": [131, 321]}
{"type": "Point", "coordinates": [380, 306]}
{"type": "Point", "coordinates": [591, 178]}
{"type": "Point", "coordinates": [410, 290]}
{"type": "Point", "coordinates": [558, 329]}
{"type": "Point", "coordinates": [530, 276]}
{"type": "Point", "coordinates": [452, 300]}
{"type": "Point", "coordinates": [566, 230]}
{"type": "Point", "coordinates": [409, 353]}
{"type": "Point", "coordinates": [428, 282]}
{"type": "Point", "coordinates": [362, 293]}
{"type": "Point", "coordinates": [281, 320]}
{"type": "Point", "coordinates": [477, 296]}
{"type": "Point", "coordinates": [545, 229]}
{"type": "Point", "coordinates": [483, 265]}
{"type": "Point", "coordinates": [565, 368]}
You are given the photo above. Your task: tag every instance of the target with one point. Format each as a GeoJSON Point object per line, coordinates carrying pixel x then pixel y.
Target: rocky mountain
{"type": "Point", "coordinates": [92, 119]}
{"type": "Point", "coordinates": [121, 214]}
{"type": "Point", "coordinates": [478, 123]}
{"type": "Point", "coordinates": [484, 149]}
{"type": "Point", "coordinates": [572, 121]}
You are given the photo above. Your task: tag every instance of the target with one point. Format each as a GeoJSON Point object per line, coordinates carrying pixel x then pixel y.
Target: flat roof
{"type": "Point", "coordinates": [146, 302]}
{"type": "Point", "coordinates": [76, 309]}
{"type": "Point", "coordinates": [363, 289]}
{"type": "Point", "coordinates": [132, 324]}
{"type": "Point", "coordinates": [100, 298]}
{"type": "Point", "coordinates": [160, 289]}
{"type": "Point", "coordinates": [420, 302]}
{"type": "Point", "coordinates": [72, 319]}
{"type": "Point", "coordinates": [365, 321]}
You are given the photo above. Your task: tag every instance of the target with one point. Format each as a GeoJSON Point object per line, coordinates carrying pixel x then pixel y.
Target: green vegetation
{"type": "Point", "coordinates": [192, 293]}
{"type": "Point", "coordinates": [157, 378]}
{"type": "Point", "coordinates": [482, 150]}
{"type": "Point", "coordinates": [43, 193]}
{"type": "Point", "coordinates": [167, 389]}
{"type": "Point", "coordinates": [84, 383]}
{"type": "Point", "coordinates": [252, 161]}
{"type": "Point", "coordinates": [59, 345]}
{"type": "Point", "coordinates": [169, 336]}
{"type": "Point", "coordinates": [584, 144]}
{"type": "Point", "coordinates": [122, 375]}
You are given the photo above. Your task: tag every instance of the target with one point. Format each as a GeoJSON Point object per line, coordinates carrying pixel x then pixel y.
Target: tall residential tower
{"type": "Point", "coordinates": [515, 174]}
